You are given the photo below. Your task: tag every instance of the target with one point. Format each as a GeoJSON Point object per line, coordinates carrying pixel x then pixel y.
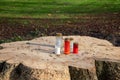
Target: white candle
{"type": "Point", "coordinates": [57, 50]}
{"type": "Point", "coordinates": [58, 43]}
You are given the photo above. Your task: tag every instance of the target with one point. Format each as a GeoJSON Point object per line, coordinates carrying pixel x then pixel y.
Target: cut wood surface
{"type": "Point", "coordinates": [36, 60]}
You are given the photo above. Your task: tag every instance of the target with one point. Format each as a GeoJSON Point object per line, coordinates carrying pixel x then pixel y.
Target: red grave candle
{"type": "Point", "coordinates": [67, 46]}
{"type": "Point", "coordinates": [75, 48]}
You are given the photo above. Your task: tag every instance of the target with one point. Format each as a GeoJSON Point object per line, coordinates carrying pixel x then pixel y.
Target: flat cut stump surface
{"type": "Point", "coordinates": [38, 57]}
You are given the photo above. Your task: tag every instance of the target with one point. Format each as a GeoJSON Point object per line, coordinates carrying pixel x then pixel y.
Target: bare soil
{"type": "Point", "coordinates": [105, 26]}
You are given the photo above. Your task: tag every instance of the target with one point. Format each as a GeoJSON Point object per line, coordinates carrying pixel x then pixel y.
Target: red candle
{"type": "Point", "coordinates": [75, 48]}
{"type": "Point", "coordinates": [67, 46]}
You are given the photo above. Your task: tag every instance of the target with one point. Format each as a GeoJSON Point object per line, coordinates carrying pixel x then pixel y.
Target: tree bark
{"type": "Point", "coordinates": [80, 74]}
{"type": "Point", "coordinates": [107, 70]}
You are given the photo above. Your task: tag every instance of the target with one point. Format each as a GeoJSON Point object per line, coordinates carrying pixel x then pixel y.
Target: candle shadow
{"type": "Point", "coordinates": [47, 45]}
{"type": "Point", "coordinates": [43, 50]}
{"type": "Point", "coordinates": [51, 51]}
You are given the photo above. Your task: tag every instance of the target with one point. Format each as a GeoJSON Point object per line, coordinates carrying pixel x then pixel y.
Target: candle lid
{"type": "Point", "coordinates": [76, 43]}
{"type": "Point", "coordinates": [58, 34]}
{"type": "Point", "coordinates": [71, 39]}
{"type": "Point", "coordinates": [67, 39]}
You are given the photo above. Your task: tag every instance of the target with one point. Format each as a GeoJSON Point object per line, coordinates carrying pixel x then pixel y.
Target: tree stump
{"type": "Point", "coordinates": [36, 60]}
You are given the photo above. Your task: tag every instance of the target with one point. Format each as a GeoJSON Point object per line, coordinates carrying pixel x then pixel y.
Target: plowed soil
{"type": "Point", "coordinates": [105, 26]}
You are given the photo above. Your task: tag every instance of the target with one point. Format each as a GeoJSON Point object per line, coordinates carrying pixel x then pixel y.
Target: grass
{"type": "Point", "coordinates": [56, 8]}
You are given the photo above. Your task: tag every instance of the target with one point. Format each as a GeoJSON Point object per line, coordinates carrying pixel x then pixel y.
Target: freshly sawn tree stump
{"type": "Point", "coordinates": [36, 60]}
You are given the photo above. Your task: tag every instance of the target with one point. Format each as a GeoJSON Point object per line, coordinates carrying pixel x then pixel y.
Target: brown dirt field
{"type": "Point", "coordinates": [105, 26]}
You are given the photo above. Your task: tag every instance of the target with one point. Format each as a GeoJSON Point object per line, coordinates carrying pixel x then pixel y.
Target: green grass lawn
{"type": "Point", "coordinates": [56, 8]}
